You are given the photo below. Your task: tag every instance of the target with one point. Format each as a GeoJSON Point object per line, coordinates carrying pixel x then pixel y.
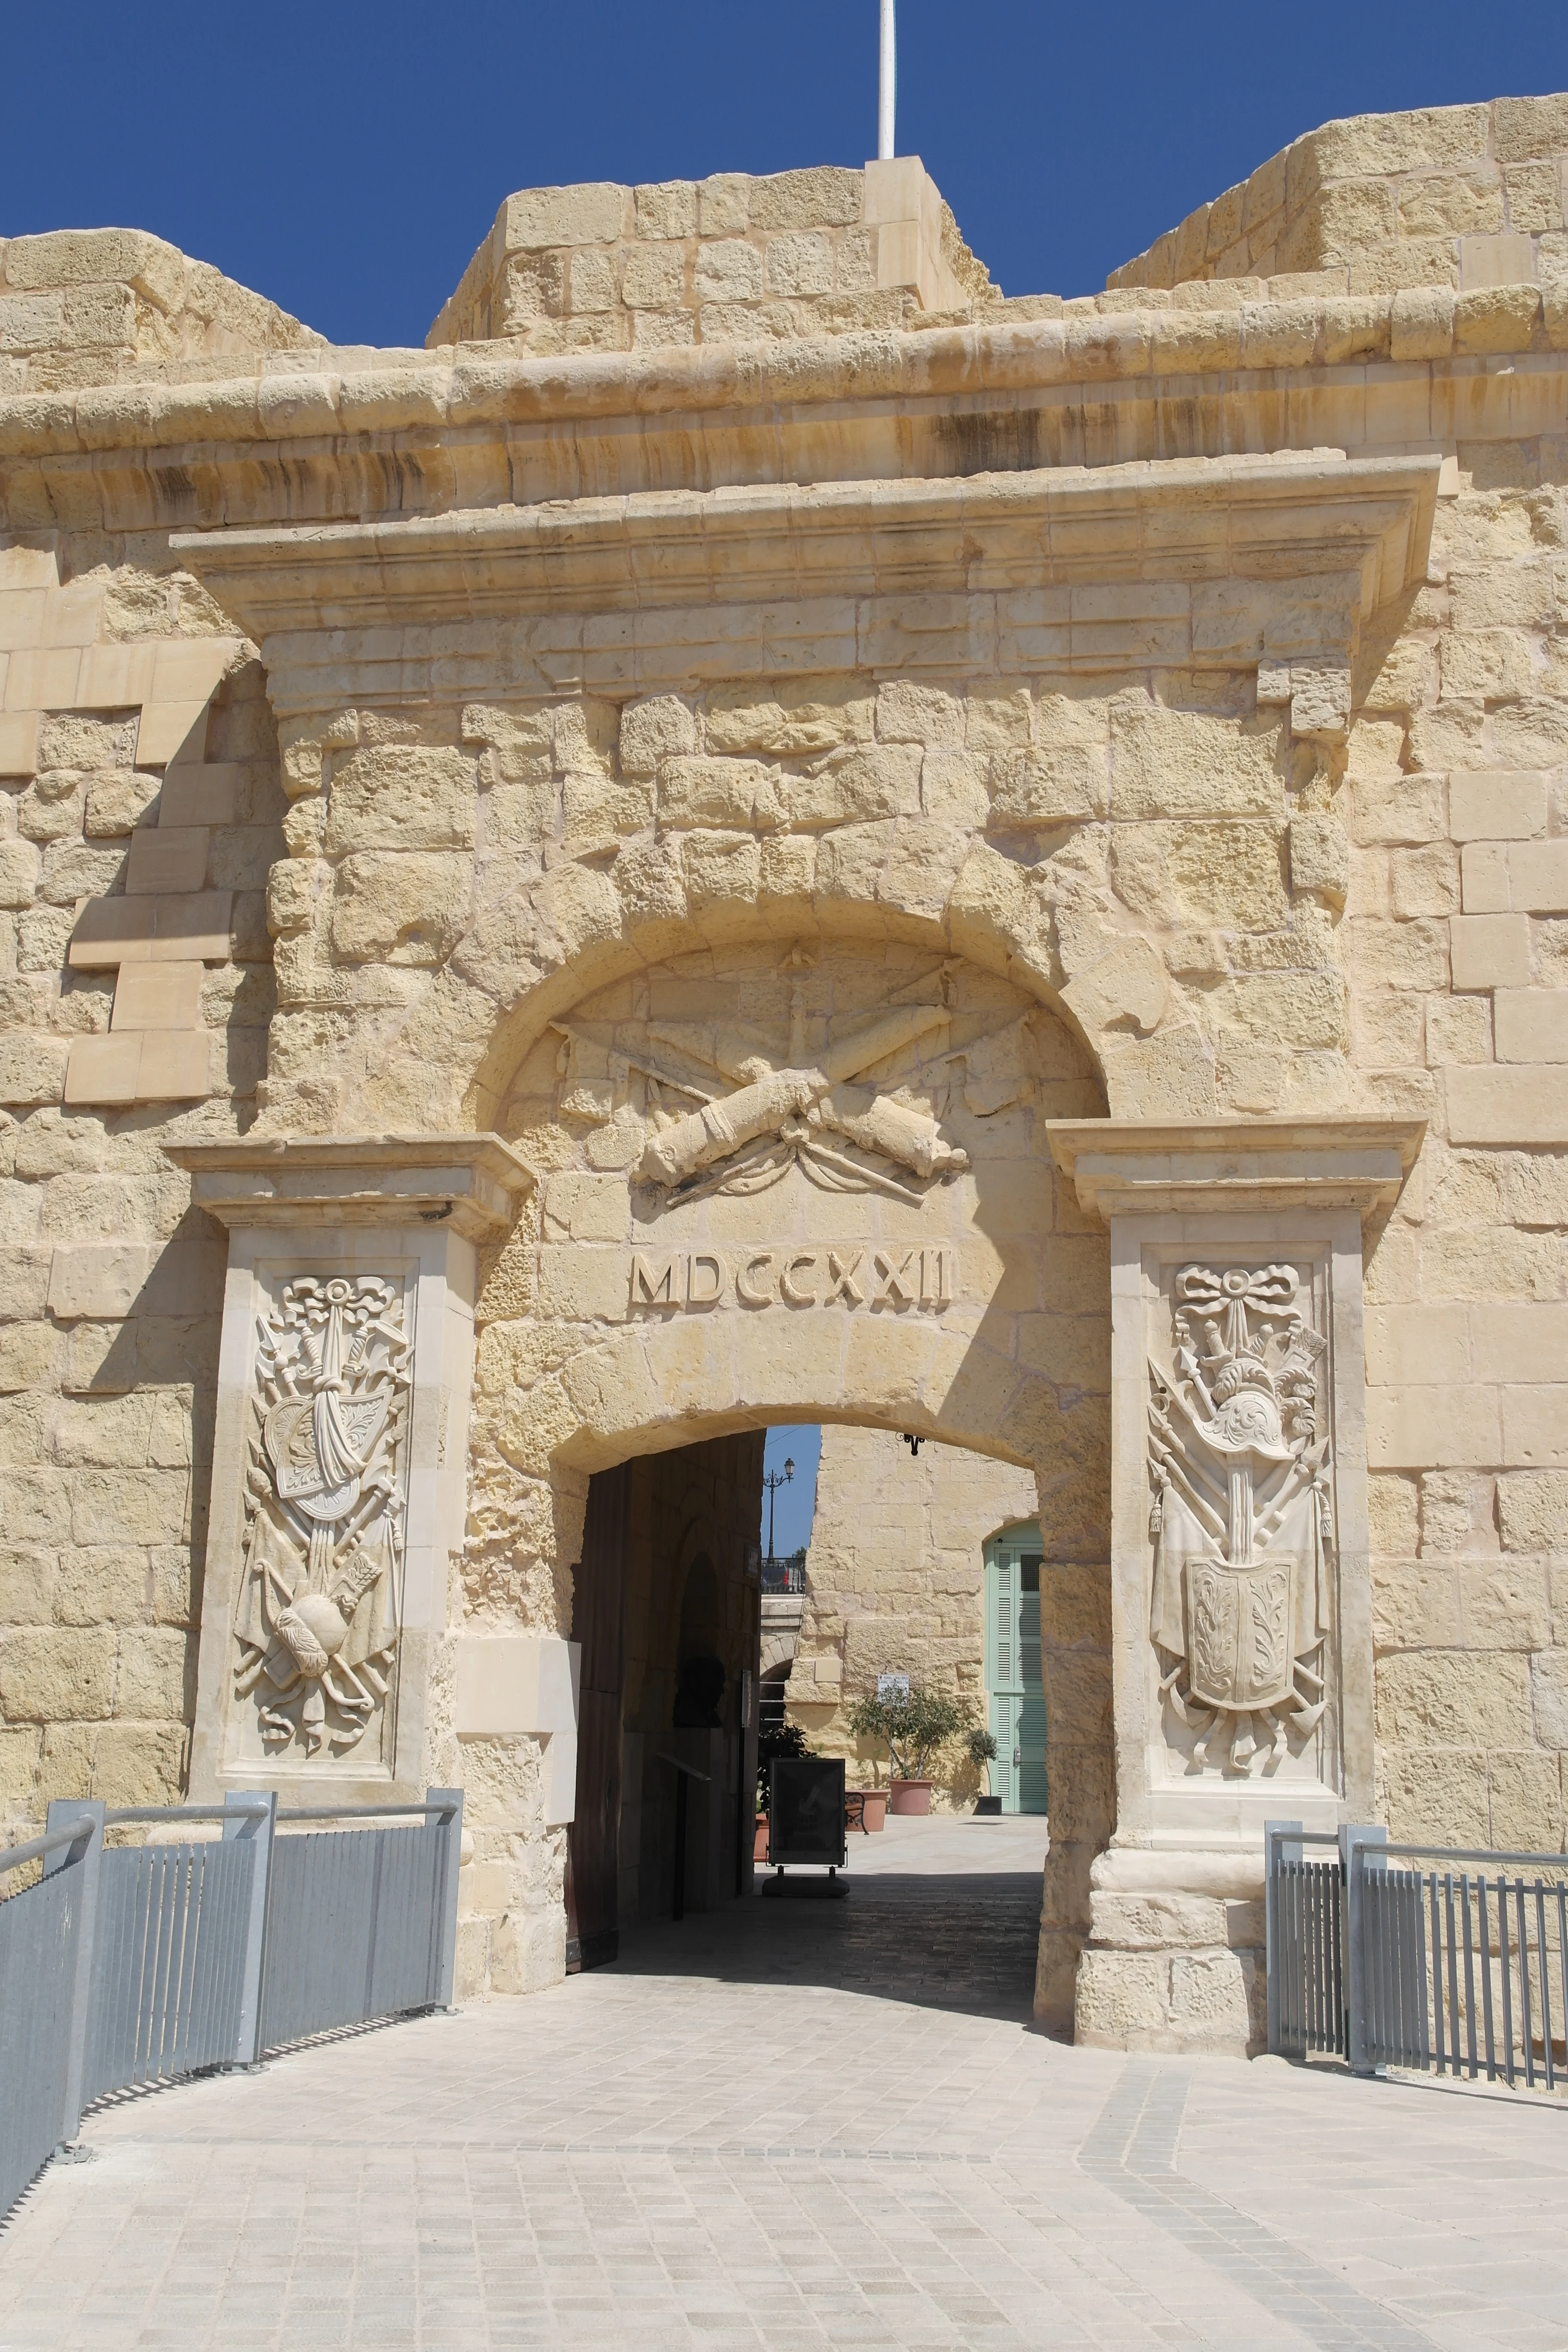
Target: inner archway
{"type": "Point", "coordinates": [950, 1906]}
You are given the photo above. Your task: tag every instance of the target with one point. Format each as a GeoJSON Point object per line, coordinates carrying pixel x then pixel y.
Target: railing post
{"type": "Point", "coordinates": [84, 1852]}
{"type": "Point", "coordinates": [255, 1830]}
{"type": "Point", "coordinates": [1354, 1843]}
{"type": "Point", "coordinates": [1278, 1849]}
{"type": "Point", "coordinates": [452, 1802]}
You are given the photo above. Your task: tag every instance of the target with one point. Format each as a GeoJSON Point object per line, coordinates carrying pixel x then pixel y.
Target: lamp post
{"type": "Point", "coordinates": [773, 1480]}
{"type": "Point", "coordinates": [886, 86]}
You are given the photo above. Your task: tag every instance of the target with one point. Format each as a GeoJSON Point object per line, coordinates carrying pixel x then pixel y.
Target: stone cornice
{"type": "Point", "coordinates": [404, 435]}
{"type": "Point", "coordinates": [1231, 1166]}
{"type": "Point", "coordinates": [1195, 519]}
{"type": "Point", "coordinates": [476, 1181]}
{"type": "Point", "coordinates": [286, 396]}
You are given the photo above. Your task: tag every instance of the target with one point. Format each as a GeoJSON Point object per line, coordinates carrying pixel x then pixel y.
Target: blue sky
{"type": "Point", "coordinates": [798, 1500]}
{"type": "Point", "coordinates": [347, 160]}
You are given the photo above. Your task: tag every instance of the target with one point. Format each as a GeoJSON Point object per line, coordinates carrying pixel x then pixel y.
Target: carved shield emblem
{"type": "Point", "coordinates": [1238, 1633]}
{"type": "Point", "coordinates": [289, 1434]}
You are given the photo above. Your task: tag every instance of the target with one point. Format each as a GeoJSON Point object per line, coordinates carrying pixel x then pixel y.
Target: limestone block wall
{"type": "Point", "coordinates": [1449, 195]}
{"type": "Point", "coordinates": [1456, 921]}
{"type": "Point", "coordinates": [1192, 927]}
{"type": "Point", "coordinates": [727, 260]}
{"type": "Point", "coordinates": [115, 305]}
{"type": "Point", "coordinates": [111, 1288]}
{"type": "Point", "coordinates": [896, 1583]}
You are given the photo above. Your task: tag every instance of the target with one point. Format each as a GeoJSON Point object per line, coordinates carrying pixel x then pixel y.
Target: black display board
{"type": "Point", "coordinates": [806, 1811]}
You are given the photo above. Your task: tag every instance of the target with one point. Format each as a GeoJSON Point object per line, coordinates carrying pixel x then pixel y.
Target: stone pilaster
{"type": "Point", "coordinates": [340, 1453]}
{"type": "Point", "coordinates": [1241, 1628]}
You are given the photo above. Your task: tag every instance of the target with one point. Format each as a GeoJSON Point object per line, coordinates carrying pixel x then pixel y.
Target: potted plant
{"type": "Point", "coordinates": [911, 1726]}
{"type": "Point", "coordinates": [983, 1754]}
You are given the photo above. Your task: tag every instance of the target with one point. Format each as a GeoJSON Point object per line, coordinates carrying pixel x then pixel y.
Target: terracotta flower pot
{"type": "Point", "coordinates": [876, 1804]}
{"type": "Point", "coordinates": [911, 1796]}
{"type": "Point", "coordinates": [760, 1843]}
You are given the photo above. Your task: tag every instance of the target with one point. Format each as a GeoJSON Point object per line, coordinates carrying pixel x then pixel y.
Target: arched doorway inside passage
{"type": "Point", "coordinates": [666, 1590]}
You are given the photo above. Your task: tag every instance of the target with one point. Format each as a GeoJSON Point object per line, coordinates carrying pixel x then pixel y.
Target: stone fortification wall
{"type": "Point", "coordinates": [1452, 195]}
{"type": "Point", "coordinates": [896, 1583]}
{"type": "Point", "coordinates": [1205, 759]}
{"type": "Point", "coordinates": [138, 791]}
{"type": "Point", "coordinates": [729, 259]}
{"type": "Point", "coordinates": [115, 305]}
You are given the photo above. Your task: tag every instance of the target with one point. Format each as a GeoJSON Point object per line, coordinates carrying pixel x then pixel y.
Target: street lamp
{"type": "Point", "coordinates": [773, 1480]}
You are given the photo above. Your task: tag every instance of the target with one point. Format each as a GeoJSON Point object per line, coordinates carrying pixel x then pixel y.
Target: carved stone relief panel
{"type": "Point", "coordinates": [1241, 1521]}
{"type": "Point", "coordinates": [853, 1072]}
{"type": "Point", "coordinates": [316, 1628]}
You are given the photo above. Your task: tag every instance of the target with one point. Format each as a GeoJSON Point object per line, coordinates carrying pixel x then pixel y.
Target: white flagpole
{"type": "Point", "coordinates": [888, 87]}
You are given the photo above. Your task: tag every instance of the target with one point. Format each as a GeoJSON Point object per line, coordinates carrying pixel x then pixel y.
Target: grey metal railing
{"type": "Point", "coordinates": [362, 1921]}
{"type": "Point", "coordinates": [1471, 1973]}
{"type": "Point", "coordinates": [1304, 1925]}
{"type": "Point", "coordinates": [46, 1943]}
{"type": "Point", "coordinates": [133, 1964]}
{"type": "Point", "coordinates": [177, 1948]}
{"type": "Point", "coordinates": [1446, 1959]}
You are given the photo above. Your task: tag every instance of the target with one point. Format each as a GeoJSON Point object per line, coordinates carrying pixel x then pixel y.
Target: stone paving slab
{"type": "Point", "coordinates": [681, 2153]}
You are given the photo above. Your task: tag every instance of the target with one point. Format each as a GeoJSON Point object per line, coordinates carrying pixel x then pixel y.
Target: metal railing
{"type": "Point", "coordinates": [1306, 1941]}
{"type": "Point", "coordinates": [135, 1964]}
{"type": "Point", "coordinates": [176, 1947]}
{"type": "Point", "coordinates": [1434, 1958]}
{"type": "Point", "coordinates": [362, 1923]}
{"type": "Point", "coordinates": [783, 1576]}
{"type": "Point", "coordinates": [46, 1938]}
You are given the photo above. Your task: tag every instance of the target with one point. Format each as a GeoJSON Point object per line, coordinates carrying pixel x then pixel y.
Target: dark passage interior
{"type": "Point", "coordinates": [666, 1606]}
{"type": "Point", "coordinates": [667, 1610]}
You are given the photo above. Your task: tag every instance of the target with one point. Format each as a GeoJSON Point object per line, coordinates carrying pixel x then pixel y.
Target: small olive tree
{"type": "Point", "coordinates": [981, 1747]}
{"type": "Point", "coordinates": [911, 1729]}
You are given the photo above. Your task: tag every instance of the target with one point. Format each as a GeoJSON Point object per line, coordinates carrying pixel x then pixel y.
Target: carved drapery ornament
{"type": "Point", "coordinates": [318, 1619]}
{"type": "Point", "coordinates": [1242, 1518]}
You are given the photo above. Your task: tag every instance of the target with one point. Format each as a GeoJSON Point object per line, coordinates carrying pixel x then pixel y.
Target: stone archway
{"type": "Point", "coordinates": [720, 1239]}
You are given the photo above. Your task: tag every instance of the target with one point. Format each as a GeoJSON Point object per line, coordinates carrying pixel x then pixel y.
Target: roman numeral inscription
{"type": "Point", "coordinates": [851, 1276]}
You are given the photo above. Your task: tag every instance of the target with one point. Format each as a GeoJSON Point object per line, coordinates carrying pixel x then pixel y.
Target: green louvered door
{"type": "Point", "coordinates": [1016, 1699]}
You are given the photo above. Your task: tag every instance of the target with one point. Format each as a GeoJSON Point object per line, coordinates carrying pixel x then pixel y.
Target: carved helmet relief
{"type": "Point", "coordinates": [317, 1624]}
{"type": "Point", "coordinates": [1242, 1520]}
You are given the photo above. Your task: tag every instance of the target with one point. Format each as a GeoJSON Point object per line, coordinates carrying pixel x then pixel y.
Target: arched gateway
{"type": "Point", "coordinates": [866, 876]}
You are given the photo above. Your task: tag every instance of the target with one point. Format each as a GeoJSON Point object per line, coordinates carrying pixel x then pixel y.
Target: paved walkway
{"type": "Point", "coordinates": [802, 2124]}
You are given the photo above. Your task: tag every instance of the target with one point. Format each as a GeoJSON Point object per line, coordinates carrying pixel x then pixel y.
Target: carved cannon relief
{"type": "Point", "coordinates": [855, 1099]}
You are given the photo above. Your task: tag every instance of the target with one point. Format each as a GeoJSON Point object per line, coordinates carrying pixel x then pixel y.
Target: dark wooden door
{"type": "Point", "coordinates": [593, 1840]}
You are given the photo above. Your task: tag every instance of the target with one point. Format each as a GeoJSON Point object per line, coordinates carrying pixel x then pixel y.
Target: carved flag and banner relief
{"type": "Point", "coordinates": [1242, 1520]}
{"type": "Point", "coordinates": [317, 1626]}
